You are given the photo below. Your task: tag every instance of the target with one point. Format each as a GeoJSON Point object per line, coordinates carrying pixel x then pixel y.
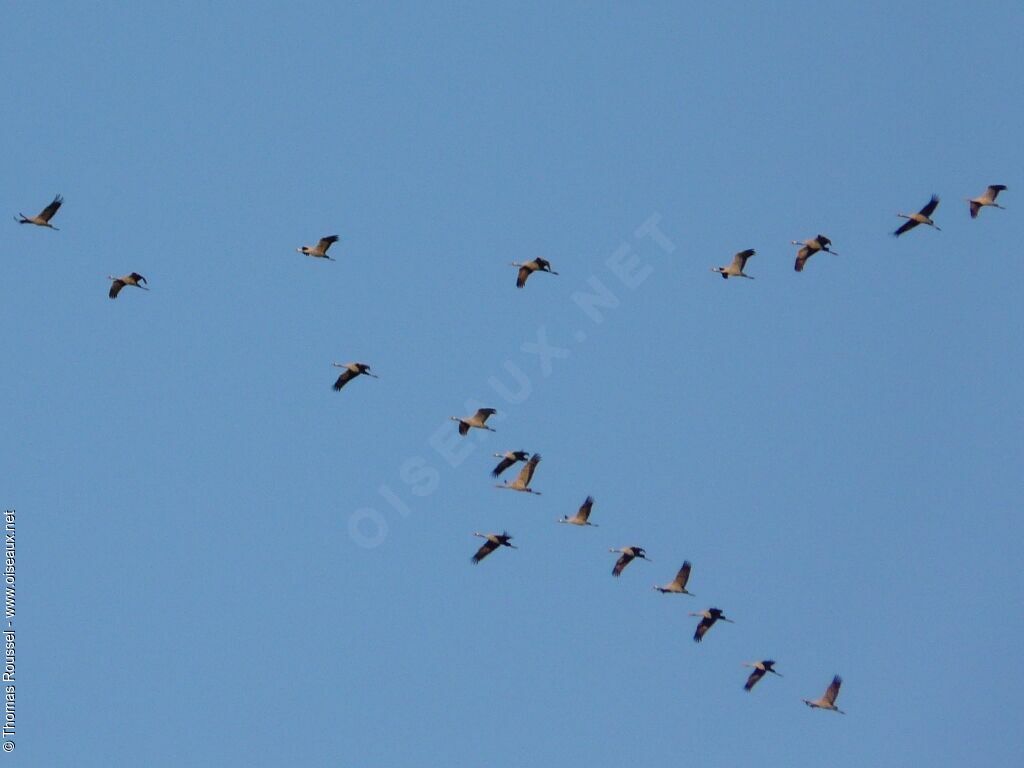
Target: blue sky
{"type": "Point", "coordinates": [838, 452]}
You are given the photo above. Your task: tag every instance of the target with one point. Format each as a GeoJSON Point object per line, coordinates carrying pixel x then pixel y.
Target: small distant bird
{"type": "Point", "coordinates": [811, 247]}
{"type": "Point", "coordinates": [989, 198]}
{"type": "Point", "coordinates": [678, 584]}
{"type": "Point", "coordinates": [828, 701]}
{"type": "Point", "coordinates": [761, 668]}
{"type": "Point", "coordinates": [528, 268]}
{"type": "Point", "coordinates": [508, 458]}
{"type": "Point", "coordinates": [735, 269]}
{"type": "Point", "coordinates": [522, 481]}
{"type": "Point", "coordinates": [708, 619]}
{"type": "Point", "coordinates": [582, 516]}
{"type": "Point", "coordinates": [921, 217]}
{"type": "Point", "coordinates": [628, 555]}
{"type": "Point", "coordinates": [351, 371]}
{"type": "Point", "coordinates": [320, 249]}
{"type": "Point", "coordinates": [478, 420]}
{"type": "Point", "coordinates": [494, 540]}
{"type": "Point", "coordinates": [43, 219]}
{"type": "Point", "coordinates": [120, 282]}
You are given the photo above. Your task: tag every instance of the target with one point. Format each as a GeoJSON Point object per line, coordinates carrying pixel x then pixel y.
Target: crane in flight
{"type": "Point", "coordinates": [494, 541]}
{"type": "Point", "coordinates": [921, 217]}
{"type": "Point", "coordinates": [319, 250]}
{"type": "Point", "coordinates": [736, 267]}
{"type": "Point", "coordinates": [351, 370]}
{"type": "Point", "coordinates": [529, 267]}
{"type": "Point", "coordinates": [628, 555]}
{"type": "Point", "coordinates": [120, 282]}
{"type": "Point", "coordinates": [828, 701]}
{"type": "Point", "coordinates": [678, 584]}
{"type": "Point", "coordinates": [987, 199]}
{"type": "Point", "coordinates": [44, 216]}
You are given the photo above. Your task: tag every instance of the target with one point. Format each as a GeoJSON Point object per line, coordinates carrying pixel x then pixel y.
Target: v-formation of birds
{"type": "Point", "coordinates": [494, 541]}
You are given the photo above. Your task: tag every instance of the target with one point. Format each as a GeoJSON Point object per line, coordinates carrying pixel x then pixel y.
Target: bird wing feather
{"type": "Point", "coordinates": [47, 213]}
{"type": "Point", "coordinates": [740, 259]}
{"type": "Point", "coordinates": [504, 464]}
{"type": "Point", "coordinates": [524, 273]}
{"type": "Point", "coordinates": [756, 675]}
{"type": "Point", "coordinates": [584, 511]}
{"type": "Point", "coordinates": [908, 225]}
{"type": "Point", "coordinates": [801, 258]}
{"type": "Point", "coordinates": [488, 547]}
{"type": "Point", "coordinates": [683, 576]}
{"type": "Point", "coordinates": [621, 563]}
{"type": "Point", "coordinates": [833, 690]}
{"type": "Point", "coordinates": [346, 376]}
{"type": "Point", "coordinates": [930, 206]}
{"type": "Point", "coordinates": [325, 243]}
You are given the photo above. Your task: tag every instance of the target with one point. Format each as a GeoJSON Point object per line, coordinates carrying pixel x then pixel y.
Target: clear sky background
{"type": "Point", "coordinates": [838, 452]}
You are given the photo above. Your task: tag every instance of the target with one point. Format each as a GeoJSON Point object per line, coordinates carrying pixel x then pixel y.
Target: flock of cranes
{"type": "Point", "coordinates": [708, 617]}
{"type": "Point", "coordinates": [494, 541]}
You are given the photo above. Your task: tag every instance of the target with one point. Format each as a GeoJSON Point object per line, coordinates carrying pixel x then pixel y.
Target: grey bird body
{"type": "Point", "coordinates": [319, 251]}
{"type": "Point", "coordinates": [529, 267]}
{"type": "Point", "coordinates": [678, 584]}
{"type": "Point", "coordinates": [351, 370]}
{"type": "Point", "coordinates": [987, 199]}
{"type": "Point", "coordinates": [134, 279]}
{"type": "Point", "coordinates": [478, 421]}
{"type": "Point", "coordinates": [736, 266]}
{"type": "Point", "coordinates": [494, 541]}
{"type": "Point", "coordinates": [628, 555]}
{"type": "Point", "coordinates": [828, 700]}
{"type": "Point", "coordinates": [809, 248]}
{"type": "Point", "coordinates": [42, 219]}
{"type": "Point", "coordinates": [522, 481]}
{"type": "Point", "coordinates": [921, 217]}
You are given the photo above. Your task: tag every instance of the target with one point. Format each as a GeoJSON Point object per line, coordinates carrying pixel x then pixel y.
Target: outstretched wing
{"type": "Point", "coordinates": [801, 258]}
{"type": "Point", "coordinates": [504, 464]}
{"type": "Point", "coordinates": [621, 563]}
{"type": "Point", "coordinates": [584, 513]}
{"type": "Point", "coordinates": [488, 547]}
{"type": "Point", "coordinates": [833, 690]}
{"type": "Point", "coordinates": [702, 628]}
{"type": "Point", "coordinates": [526, 473]}
{"type": "Point", "coordinates": [756, 675]}
{"type": "Point", "coordinates": [115, 288]}
{"type": "Point", "coordinates": [975, 207]}
{"type": "Point", "coordinates": [325, 243]}
{"type": "Point", "coordinates": [683, 576]}
{"type": "Point", "coordinates": [524, 272]}
{"type": "Point", "coordinates": [740, 259]}
{"type": "Point", "coordinates": [463, 428]}
{"type": "Point", "coordinates": [483, 414]}
{"type": "Point", "coordinates": [137, 277]}
{"type": "Point", "coordinates": [47, 213]}
{"type": "Point", "coordinates": [930, 206]}
{"type": "Point", "coordinates": [908, 225]}
{"type": "Point", "coordinates": [346, 376]}
{"type": "Point", "coordinates": [994, 190]}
